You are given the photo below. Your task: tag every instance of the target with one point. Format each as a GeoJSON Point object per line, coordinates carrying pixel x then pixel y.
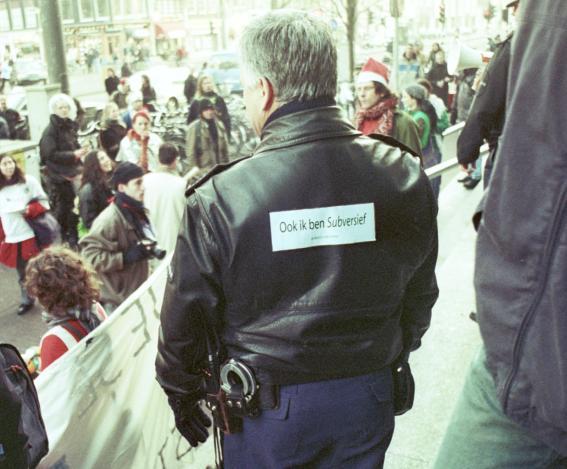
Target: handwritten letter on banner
{"type": "Point", "coordinates": [101, 403]}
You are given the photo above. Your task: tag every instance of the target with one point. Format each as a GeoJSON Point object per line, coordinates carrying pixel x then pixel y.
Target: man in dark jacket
{"type": "Point", "coordinates": [111, 82]}
{"type": "Point", "coordinates": [312, 263]}
{"type": "Point", "coordinates": [61, 157]}
{"type": "Point", "coordinates": [486, 116]}
{"type": "Point", "coordinates": [12, 118]}
{"type": "Point", "coordinates": [512, 411]}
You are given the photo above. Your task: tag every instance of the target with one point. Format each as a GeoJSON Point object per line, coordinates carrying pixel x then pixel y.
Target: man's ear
{"type": "Point", "coordinates": [267, 93]}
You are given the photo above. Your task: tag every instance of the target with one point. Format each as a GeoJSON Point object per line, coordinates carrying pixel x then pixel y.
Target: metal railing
{"type": "Point", "coordinates": [451, 163]}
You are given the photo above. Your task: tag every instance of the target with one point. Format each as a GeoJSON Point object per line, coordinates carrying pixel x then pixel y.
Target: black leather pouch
{"type": "Point", "coordinates": [404, 387]}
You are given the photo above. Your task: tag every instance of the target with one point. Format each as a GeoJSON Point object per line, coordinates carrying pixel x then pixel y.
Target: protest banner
{"type": "Point", "coordinates": [101, 403]}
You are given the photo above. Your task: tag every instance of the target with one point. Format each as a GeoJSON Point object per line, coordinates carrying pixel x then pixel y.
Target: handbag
{"type": "Point", "coordinates": [45, 226]}
{"type": "Point", "coordinates": [404, 387]}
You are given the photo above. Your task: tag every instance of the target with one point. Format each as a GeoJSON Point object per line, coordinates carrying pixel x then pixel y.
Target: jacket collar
{"type": "Point", "coordinates": [305, 126]}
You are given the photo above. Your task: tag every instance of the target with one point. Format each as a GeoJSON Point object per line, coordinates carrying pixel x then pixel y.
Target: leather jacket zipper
{"type": "Point", "coordinates": [549, 250]}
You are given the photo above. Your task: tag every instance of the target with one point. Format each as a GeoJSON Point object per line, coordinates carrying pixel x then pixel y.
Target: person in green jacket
{"type": "Point", "coordinates": [423, 114]}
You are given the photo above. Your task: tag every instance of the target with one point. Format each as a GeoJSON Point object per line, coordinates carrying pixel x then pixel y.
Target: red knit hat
{"type": "Point", "coordinates": [374, 71]}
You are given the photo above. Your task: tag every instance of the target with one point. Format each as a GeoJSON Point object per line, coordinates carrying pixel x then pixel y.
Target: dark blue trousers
{"type": "Point", "coordinates": [343, 423]}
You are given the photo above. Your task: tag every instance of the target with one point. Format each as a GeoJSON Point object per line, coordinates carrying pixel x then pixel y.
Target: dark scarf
{"type": "Point", "coordinates": [214, 133]}
{"type": "Point", "coordinates": [133, 211]}
{"type": "Point", "coordinates": [383, 111]}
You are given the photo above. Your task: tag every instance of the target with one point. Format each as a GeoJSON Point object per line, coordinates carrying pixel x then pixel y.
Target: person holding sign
{"type": "Point", "coordinates": [302, 275]}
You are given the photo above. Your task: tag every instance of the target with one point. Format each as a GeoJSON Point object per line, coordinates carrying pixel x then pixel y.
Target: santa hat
{"type": "Point", "coordinates": [373, 71]}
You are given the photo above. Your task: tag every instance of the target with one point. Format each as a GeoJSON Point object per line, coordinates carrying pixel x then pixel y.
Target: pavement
{"type": "Point", "coordinates": [440, 365]}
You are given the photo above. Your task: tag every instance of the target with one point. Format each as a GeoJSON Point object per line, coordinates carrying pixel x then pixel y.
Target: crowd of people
{"type": "Point", "coordinates": [116, 206]}
{"type": "Point", "coordinates": [289, 314]}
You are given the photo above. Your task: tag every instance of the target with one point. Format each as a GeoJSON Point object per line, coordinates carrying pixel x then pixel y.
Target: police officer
{"type": "Point", "coordinates": [312, 262]}
{"type": "Point", "coordinates": [486, 117]}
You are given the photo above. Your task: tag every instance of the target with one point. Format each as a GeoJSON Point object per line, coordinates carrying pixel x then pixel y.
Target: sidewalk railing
{"type": "Point", "coordinates": [451, 163]}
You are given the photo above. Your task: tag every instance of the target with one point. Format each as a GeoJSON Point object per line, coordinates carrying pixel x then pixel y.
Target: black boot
{"type": "Point", "coordinates": [26, 301]}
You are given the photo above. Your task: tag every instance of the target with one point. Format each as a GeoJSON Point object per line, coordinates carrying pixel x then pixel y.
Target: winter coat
{"type": "Point", "coordinates": [488, 109]}
{"type": "Point", "coordinates": [111, 84]}
{"type": "Point", "coordinates": [201, 151]}
{"type": "Point", "coordinates": [301, 315]}
{"type": "Point", "coordinates": [57, 149]}
{"type": "Point", "coordinates": [110, 138]}
{"type": "Point", "coordinates": [220, 107]}
{"type": "Point", "coordinates": [439, 85]}
{"type": "Point", "coordinates": [104, 246]}
{"type": "Point", "coordinates": [149, 94]}
{"type": "Point", "coordinates": [521, 254]}
{"type": "Point", "coordinates": [405, 130]}
{"type": "Point", "coordinates": [164, 199]}
{"type": "Point", "coordinates": [131, 150]}
{"type": "Point", "coordinates": [92, 202]}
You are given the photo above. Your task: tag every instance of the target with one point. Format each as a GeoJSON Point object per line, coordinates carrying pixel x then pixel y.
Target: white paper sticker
{"type": "Point", "coordinates": [325, 226]}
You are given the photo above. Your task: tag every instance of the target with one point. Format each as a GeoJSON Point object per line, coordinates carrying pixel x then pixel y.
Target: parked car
{"type": "Point", "coordinates": [30, 71]}
{"type": "Point", "coordinates": [224, 67]}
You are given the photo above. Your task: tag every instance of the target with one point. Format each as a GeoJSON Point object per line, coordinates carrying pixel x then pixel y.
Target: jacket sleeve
{"type": "Point", "coordinates": [223, 115]}
{"type": "Point", "coordinates": [419, 298]}
{"type": "Point", "coordinates": [191, 146]}
{"type": "Point", "coordinates": [87, 205]}
{"type": "Point", "coordinates": [101, 248]}
{"type": "Point", "coordinates": [193, 298]}
{"type": "Point", "coordinates": [223, 145]}
{"type": "Point", "coordinates": [488, 108]}
{"type": "Point", "coordinates": [193, 111]}
{"type": "Point", "coordinates": [406, 131]}
{"type": "Point", "coordinates": [49, 152]}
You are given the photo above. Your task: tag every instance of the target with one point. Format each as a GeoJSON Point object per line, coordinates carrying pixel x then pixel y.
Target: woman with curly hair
{"type": "Point", "coordinates": [20, 196]}
{"type": "Point", "coordinates": [67, 287]}
{"type": "Point", "coordinates": [95, 192]}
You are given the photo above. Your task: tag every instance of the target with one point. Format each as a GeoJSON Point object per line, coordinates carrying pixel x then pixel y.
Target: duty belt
{"type": "Point", "coordinates": [239, 396]}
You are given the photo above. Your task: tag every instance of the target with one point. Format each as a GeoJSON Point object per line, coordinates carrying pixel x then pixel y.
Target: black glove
{"type": "Point", "coordinates": [191, 421]}
{"type": "Point", "coordinates": [135, 252]}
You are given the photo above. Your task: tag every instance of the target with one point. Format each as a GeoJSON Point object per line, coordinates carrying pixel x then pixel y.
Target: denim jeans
{"type": "Point", "coordinates": [480, 436]}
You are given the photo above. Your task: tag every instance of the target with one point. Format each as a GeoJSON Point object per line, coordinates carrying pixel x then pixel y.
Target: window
{"type": "Point", "coordinates": [4, 16]}
{"type": "Point", "coordinates": [102, 9]}
{"type": "Point", "coordinates": [86, 10]}
{"type": "Point", "coordinates": [17, 16]}
{"type": "Point", "coordinates": [31, 13]}
{"type": "Point", "coordinates": [67, 13]}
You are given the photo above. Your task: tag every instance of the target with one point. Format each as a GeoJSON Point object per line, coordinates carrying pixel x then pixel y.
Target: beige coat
{"type": "Point", "coordinates": [109, 237]}
{"type": "Point", "coordinates": [206, 159]}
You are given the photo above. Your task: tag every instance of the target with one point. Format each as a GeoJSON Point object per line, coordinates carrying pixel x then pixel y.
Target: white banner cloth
{"type": "Point", "coordinates": [101, 403]}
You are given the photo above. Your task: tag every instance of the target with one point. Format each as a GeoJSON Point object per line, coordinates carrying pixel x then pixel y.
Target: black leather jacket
{"type": "Point", "coordinates": [308, 314]}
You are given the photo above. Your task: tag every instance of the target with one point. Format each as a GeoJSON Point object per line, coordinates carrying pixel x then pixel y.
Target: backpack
{"type": "Point", "coordinates": [23, 438]}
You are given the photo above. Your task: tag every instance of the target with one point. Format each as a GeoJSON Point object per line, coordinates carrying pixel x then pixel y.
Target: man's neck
{"type": "Point", "coordinates": [169, 169]}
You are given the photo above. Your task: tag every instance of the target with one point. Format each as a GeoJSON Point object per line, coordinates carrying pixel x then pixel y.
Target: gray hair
{"type": "Point", "coordinates": [64, 98]}
{"type": "Point", "coordinates": [295, 51]}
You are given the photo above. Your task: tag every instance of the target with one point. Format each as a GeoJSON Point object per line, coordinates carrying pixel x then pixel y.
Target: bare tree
{"type": "Point", "coordinates": [347, 12]}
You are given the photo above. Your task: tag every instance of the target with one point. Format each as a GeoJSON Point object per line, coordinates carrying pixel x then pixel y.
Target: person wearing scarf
{"type": "Point", "coordinates": [66, 286]}
{"type": "Point", "coordinates": [206, 142]}
{"type": "Point", "coordinates": [118, 244]}
{"type": "Point", "coordinates": [378, 111]}
{"type": "Point", "coordinates": [140, 146]}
